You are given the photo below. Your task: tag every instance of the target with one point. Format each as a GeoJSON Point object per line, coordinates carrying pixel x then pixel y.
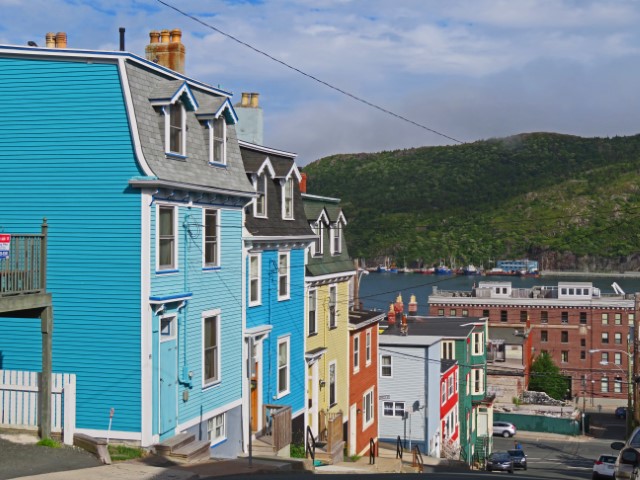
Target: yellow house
{"type": "Point", "coordinates": [328, 276]}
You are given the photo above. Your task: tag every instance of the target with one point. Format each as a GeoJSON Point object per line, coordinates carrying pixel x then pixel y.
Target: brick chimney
{"type": "Point", "coordinates": [166, 48]}
{"type": "Point", "coordinates": [303, 183]}
{"type": "Point", "coordinates": [56, 40]}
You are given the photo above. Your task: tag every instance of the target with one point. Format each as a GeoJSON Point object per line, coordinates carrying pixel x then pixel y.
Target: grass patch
{"type": "Point", "coordinates": [296, 450]}
{"type": "Point", "coordinates": [49, 442]}
{"type": "Point", "coordinates": [354, 458]}
{"type": "Point", "coordinates": [121, 453]}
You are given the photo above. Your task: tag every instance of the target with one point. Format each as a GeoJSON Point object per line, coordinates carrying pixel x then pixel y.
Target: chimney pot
{"type": "Point", "coordinates": [164, 36]}
{"type": "Point", "coordinates": [121, 30]}
{"type": "Point", "coordinates": [61, 40]}
{"type": "Point", "coordinates": [245, 99]}
{"type": "Point", "coordinates": [176, 35]}
{"type": "Point", "coordinates": [254, 100]}
{"type": "Point", "coordinates": [154, 36]}
{"type": "Point", "coordinates": [50, 40]}
{"type": "Point", "coordinates": [303, 183]}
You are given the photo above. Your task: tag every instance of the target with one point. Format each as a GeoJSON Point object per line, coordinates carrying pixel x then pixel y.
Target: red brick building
{"type": "Point", "coordinates": [584, 330]}
{"type": "Point", "coordinates": [363, 380]}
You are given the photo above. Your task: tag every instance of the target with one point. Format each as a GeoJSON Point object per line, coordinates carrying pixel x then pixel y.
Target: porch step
{"type": "Point", "coordinates": [174, 443]}
{"type": "Point", "coordinates": [192, 452]}
{"type": "Point", "coordinates": [333, 457]}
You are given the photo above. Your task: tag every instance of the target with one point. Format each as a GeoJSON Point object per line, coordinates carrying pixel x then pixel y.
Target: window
{"type": "Point", "coordinates": [617, 385]}
{"type": "Point", "coordinates": [503, 316]}
{"type": "Point", "coordinates": [332, 384]}
{"type": "Point", "coordinates": [564, 317]}
{"type": "Point", "coordinates": [168, 330]}
{"type": "Point", "coordinates": [604, 357]}
{"type": "Point", "coordinates": [283, 276]}
{"type": "Point", "coordinates": [485, 313]}
{"type": "Point", "coordinates": [478, 381]}
{"type": "Point", "coordinates": [283, 366]}
{"type": "Point", "coordinates": [211, 238]}
{"type": "Point", "coordinates": [583, 355]}
{"type": "Point", "coordinates": [478, 343]}
{"type": "Point", "coordinates": [450, 385]}
{"type": "Point", "coordinates": [336, 239]}
{"type": "Point", "coordinates": [455, 380]}
{"type": "Point", "coordinates": [356, 353]}
{"type": "Point", "coordinates": [453, 312]}
{"type": "Point", "coordinates": [443, 393]}
{"type": "Point", "coordinates": [605, 337]}
{"type": "Point", "coordinates": [465, 312]}
{"type": "Point", "coordinates": [632, 318]}
{"type": "Point", "coordinates": [441, 312]}
{"type": "Point", "coordinates": [393, 409]}
{"type": "Point", "coordinates": [175, 118]}
{"type": "Point", "coordinates": [287, 199]}
{"type": "Point", "coordinates": [604, 385]}
{"type": "Point", "coordinates": [617, 358]}
{"type": "Point", "coordinates": [583, 317]}
{"type": "Point", "coordinates": [368, 408]}
{"type": "Point", "coordinates": [217, 141]}
{"type": "Point", "coordinates": [368, 347]}
{"type": "Point", "coordinates": [447, 351]}
{"type": "Point", "coordinates": [583, 342]}
{"type": "Point", "coordinates": [215, 429]}
{"type": "Point", "coordinates": [261, 201]}
{"type": "Point", "coordinates": [255, 279]}
{"type": "Point", "coordinates": [564, 336]}
{"type": "Point", "coordinates": [167, 239]}
{"type": "Point", "coordinates": [317, 248]}
{"type": "Point", "coordinates": [544, 336]}
{"type": "Point", "coordinates": [617, 338]}
{"type": "Point", "coordinates": [617, 319]}
{"type": "Point", "coordinates": [605, 319]}
{"type": "Point", "coordinates": [544, 317]}
{"type": "Point", "coordinates": [385, 366]}
{"type": "Point", "coordinates": [313, 305]}
{"type": "Point", "coordinates": [211, 352]}
{"type": "Point", "coordinates": [523, 316]}
{"type": "Point", "coordinates": [564, 356]}
{"type": "Point", "coordinates": [333, 302]}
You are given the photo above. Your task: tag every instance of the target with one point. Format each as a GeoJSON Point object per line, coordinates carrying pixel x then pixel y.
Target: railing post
{"type": "Point", "coordinates": [69, 403]}
{"type": "Point", "coordinates": [43, 254]}
{"type": "Point", "coordinates": [372, 452]}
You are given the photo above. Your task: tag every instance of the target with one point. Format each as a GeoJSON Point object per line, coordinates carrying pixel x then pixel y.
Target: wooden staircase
{"type": "Point", "coordinates": [184, 448]}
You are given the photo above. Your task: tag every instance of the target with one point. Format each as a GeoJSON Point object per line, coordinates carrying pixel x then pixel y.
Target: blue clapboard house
{"type": "Point", "coordinates": [138, 171]}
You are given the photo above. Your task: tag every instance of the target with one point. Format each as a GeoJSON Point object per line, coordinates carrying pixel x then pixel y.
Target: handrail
{"type": "Point", "coordinates": [372, 451]}
{"type": "Point", "coordinates": [417, 459]}
{"type": "Point", "coordinates": [311, 445]}
{"type": "Point", "coordinates": [399, 448]}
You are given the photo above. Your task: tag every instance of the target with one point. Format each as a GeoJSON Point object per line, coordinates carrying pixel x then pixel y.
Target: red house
{"type": "Point", "coordinates": [363, 380]}
{"type": "Point", "coordinates": [449, 406]}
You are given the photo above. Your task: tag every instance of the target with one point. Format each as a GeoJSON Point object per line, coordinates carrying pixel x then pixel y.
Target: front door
{"type": "Point", "coordinates": [168, 377]}
{"type": "Point", "coordinates": [254, 398]}
{"type": "Point", "coordinates": [353, 428]}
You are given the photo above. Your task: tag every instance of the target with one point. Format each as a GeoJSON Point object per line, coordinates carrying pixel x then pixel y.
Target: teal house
{"type": "Point", "coordinates": [138, 171]}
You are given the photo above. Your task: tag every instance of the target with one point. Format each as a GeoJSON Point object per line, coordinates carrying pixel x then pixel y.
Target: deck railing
{"type": "Point", "coordinates": [23, 270]}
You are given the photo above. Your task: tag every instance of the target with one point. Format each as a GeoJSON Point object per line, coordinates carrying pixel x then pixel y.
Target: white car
{"type": "Point", "coordinates": [505, 429]}
{"type": "Point", "coordinates": [628, 462]}
{"type": "Point", "coordinates": [604, 467]}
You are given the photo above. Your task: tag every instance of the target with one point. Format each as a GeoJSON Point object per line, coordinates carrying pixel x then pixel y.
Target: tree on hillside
{"type": "Point", "coordinates": [545, 377]}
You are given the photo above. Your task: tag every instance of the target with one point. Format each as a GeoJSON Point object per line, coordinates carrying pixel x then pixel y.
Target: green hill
{"type": "Point", "coordinates": [570, 202]}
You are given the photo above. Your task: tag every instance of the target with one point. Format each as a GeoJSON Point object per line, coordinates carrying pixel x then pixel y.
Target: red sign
{"type": "Point", "coordinates": [5, 243]}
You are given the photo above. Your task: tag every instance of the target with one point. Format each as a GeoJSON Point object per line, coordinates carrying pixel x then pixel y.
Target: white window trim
{"type": "Point", "coordinates": [356, 353]}
{"type": "Point", "coordinates": [204, 316]}
{"type": "Point", "coordinates": [382, 365]}
{"type": "Point", "coordinates": [287, 182]}
{"type": "Point", "coordinates": [217, 440]}
{"type": "Point", "coordinates": [367, 348]}
{"type": "Point", "coordinates": [477, 340]}
{"type": "Point", "coordinates": [218, 250]}
{"type": "Point", "coordinates": [478, 387]}
{"type": "Point", "coordinates": [333, 363]}
{"type": "Point", "coordinates": [366, 424]}
{"type": "Point", "coordinates": [210, 124]}
{"type": "Point", "coordinates": [315, 309]}
{"type": "Point", "coordinates": [259, 278]}
{"type": "Point", "coordinates": [445, 346]}
{"type": "Point", "coordinates": [166, 111]}
{"type": "Point", "coordinates": [443, 392]}
{"type": "Point", "coordinates": [281, 340]}
{"type": "Point", "coordinates": [176, 213]}
{"type": "Point", "coordinates": [174, 328]}
{"type": "Point", "coordinates": [332, 231]}
{"type": "Point", "coordinates": [263, 176]}
{"type": "Point", "coordinates": [287, 296]}
{"type": "Point", "coordinates": [393, 408]}
{"type": "Point", "coordinates": [332, 288]}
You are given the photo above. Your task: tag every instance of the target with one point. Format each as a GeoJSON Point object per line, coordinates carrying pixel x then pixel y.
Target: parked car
{"type": "Point", "coordinates": [604, 467]}
{"type": "Point", "coordinates": [519, 458]}
{"type": "Point", "coordinates": [501, 461]}
{"type": "Point", "coordinates": [505, 429]}
{"type": "Point", "coordinates": [628, 461]}
{"type": "Point", "coordinates": [621, 412]}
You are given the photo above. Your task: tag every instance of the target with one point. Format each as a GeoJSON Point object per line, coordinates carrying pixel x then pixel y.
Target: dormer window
{"type": "Point", "coordinates": [287, 202]}
{"type": "Point", "coordinates": [176, 119]}
{"type": "Point", "coordinates": [261, 201]}
{"type": "Point", "coordinates": [217, 141]}
{"type": "Point", "coordinates": [317, 247]}
{"type": "Point", "coordinates": [336, 240]}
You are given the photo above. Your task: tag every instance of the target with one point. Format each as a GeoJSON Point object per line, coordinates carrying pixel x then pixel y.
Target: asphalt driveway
{"type": "Point", "coordinates": [20, 457]}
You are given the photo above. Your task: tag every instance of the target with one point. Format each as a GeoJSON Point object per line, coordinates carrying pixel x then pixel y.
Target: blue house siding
{"type": "Point", "coordinates": [286, 318]}
{"type": "Point", "coordinates": [211, 290]}
{"type": "Point", "coordinates": [66, 154]}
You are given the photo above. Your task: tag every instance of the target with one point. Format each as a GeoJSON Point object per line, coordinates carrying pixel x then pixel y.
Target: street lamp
{"type": "Point", "coordinates": [630, 406]}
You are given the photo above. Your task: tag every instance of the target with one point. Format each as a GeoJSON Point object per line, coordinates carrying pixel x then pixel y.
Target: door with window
{"type": "Point", "coordinates": [168, 388]}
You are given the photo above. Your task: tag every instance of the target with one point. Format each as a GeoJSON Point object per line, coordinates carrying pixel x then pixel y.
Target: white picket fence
{"type": "Point", "coordinates": [19, 402]}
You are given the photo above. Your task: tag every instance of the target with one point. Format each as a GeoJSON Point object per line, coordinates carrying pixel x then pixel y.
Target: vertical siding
{"type": "Point", "coordinates": [66, 154]}
{"type": "Point", "coordinates": [219, 289]}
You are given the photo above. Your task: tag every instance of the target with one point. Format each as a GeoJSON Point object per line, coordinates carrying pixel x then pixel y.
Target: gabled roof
{"type": "Point", "coordinates": [445, 327]}
{"type": "Point", "coordinates": [447, 364]}
{"type": "Point", "coordinates": [361, 318]}
{"type": "Point", "coordinates": [169, 92]}
{"type": "Point", "coordinates": [213, 107]}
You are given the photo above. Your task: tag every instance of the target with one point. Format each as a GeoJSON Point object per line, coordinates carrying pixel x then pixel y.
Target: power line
{"type": "Point", "coordinates": [312, 77]}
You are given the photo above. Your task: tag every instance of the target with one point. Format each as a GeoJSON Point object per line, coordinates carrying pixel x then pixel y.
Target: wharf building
{"type": "Point", "coordinates": [586, 332]}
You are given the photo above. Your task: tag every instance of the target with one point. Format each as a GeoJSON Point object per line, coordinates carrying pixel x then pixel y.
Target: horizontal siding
{"type": "Point", "coordinates": [66, 154]}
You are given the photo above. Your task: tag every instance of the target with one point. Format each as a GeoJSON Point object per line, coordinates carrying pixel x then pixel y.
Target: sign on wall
{"type": "Point", "coordinates": [5, 245]}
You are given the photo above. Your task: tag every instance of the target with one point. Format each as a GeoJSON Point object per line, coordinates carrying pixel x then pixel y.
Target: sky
{"type": "Point", "coordinates": [468, 69]}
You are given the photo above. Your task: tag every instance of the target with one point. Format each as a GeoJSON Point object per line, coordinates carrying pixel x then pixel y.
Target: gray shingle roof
{"type": "Point", "coordinates": [446, 364]}
{"type": "Point", "coordinates": [447, 327]}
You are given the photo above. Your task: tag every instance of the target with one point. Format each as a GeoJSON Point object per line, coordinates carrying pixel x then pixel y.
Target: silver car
{"type": "Point", "coordinates": [627, 465]}
{"type": "Point", "coordinates": [505, 429]}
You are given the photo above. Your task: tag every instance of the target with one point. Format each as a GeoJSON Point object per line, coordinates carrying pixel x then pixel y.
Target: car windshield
{"type": "Point", "coordinates": [516, 453]}
{"type": "Point", "coordinates": [607, 459]}
{"type": "Point", "coordinates": [500, 457]}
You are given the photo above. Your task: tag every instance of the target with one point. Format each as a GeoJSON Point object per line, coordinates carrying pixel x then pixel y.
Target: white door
{"type": "Point", "coordinates": [353, 425]}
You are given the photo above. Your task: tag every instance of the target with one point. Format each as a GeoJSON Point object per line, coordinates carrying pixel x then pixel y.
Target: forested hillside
{"type": "Point", "coordinates": [570, 202]}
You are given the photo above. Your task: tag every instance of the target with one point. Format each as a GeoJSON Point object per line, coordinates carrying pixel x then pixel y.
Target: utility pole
{"type": "Point", "coordinates": [636, 361]}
